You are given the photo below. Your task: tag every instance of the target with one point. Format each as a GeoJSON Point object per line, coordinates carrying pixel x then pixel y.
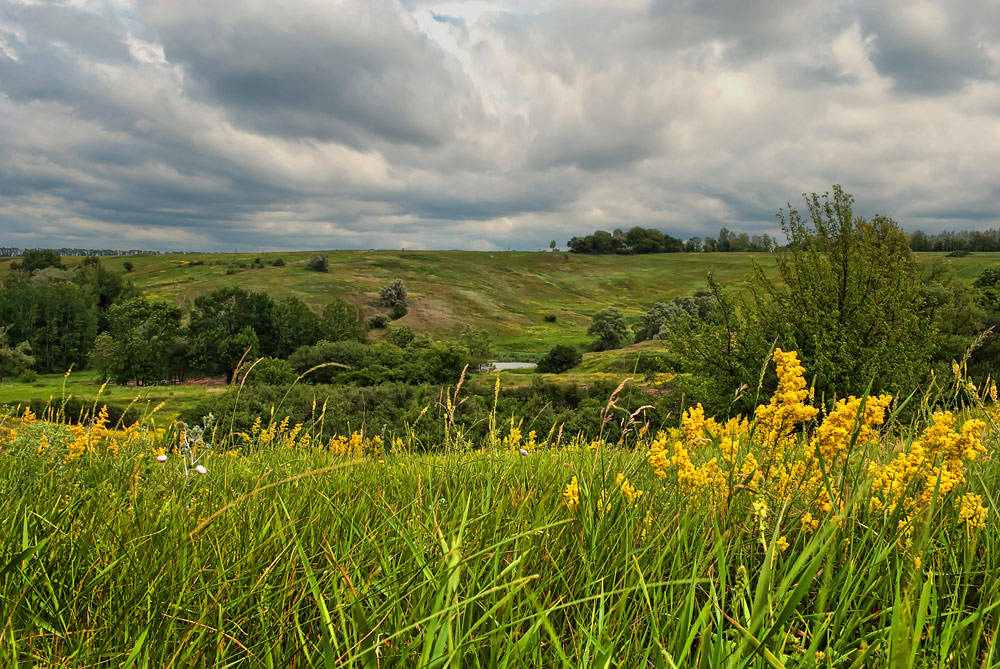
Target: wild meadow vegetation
{"type": "Point", "coordinates": [793, 468]}
{"type": "Point", "coordinates": [793, 537]}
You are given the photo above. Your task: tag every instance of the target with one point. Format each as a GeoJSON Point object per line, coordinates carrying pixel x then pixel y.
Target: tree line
{"type": "Point", "coordinates": [640, 240]}
{"type": "Point", "coordinates": [53, 318]}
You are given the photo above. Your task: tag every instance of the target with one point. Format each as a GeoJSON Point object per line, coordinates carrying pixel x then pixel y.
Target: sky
{"type": "Point", "coordinates": [321, 124]}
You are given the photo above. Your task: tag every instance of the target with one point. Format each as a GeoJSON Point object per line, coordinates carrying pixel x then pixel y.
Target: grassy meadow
{"type": "Point", "coordinates": [795, 539]}
{"type": "Point", "coordinates": [506, 293]}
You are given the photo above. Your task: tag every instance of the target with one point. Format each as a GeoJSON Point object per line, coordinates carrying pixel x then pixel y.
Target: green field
{"type": "Point", "coordinates": [506, 293]}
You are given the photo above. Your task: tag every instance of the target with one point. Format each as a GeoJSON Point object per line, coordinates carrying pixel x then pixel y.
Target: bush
{"type": "Point", "coordinates": [279, 262]}
{"type": "Point", "coordinates": [379, 322]}
{"type": "Point", "coordinates": [393, 294]}
{"type": "Point", "coordinates": [270, 372]}
{"type": "Point", "coordinates": [559, 359]}
{"type": "Point", "coordinates": [398, 311]}
{"type": "Point", "coordinates": [128, 266]}
{"type": "Point", "coordinates": [318, 263]}
{"type": "Point", "coordinates": [958, 253]}
{"type": "Point", "coordinates": [399, 335]}
{"type": "Point", "coordinates": [550, 318]}
{"type": "Point", "coordinates": [28, 376]}
{"type": "Point", "coordinates": [610, 328]}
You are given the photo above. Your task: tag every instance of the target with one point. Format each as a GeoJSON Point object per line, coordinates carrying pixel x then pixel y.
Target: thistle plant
{"type": "Point", "coordinates": [191, 448]}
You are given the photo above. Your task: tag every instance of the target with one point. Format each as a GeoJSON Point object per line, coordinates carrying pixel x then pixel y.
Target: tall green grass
{"type": "Point", "coordinates": [286, 558]}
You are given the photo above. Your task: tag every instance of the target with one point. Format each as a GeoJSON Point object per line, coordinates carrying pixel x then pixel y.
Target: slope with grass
{"type": "Point", "coordinates": [506, 293]}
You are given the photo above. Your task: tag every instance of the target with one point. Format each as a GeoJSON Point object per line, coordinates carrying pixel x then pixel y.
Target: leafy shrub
{"type": "Point", "coordinates": [550, 318]}
{"type": "Point", "coordinates": [399, 335]}
{"type": "Point", "coordinates": [988, 278]}
{"type": "Point", "coordinates": [28, 376]}
{"type": "Point", "coordinates": [394, 293]}
{"type": "Point", "coordinates": [128, 266]}
{"type": "Point", "coordinates": [318, 263]}
{"type": "Point", "coordinates": [958, 253]}
{"type": "Point", "coordinates": [398, 311]}
{"type": "Point", "coordinates": [379, 322]}
{"type": "Point", "coordinates": [610, 328]}
{"type": "Point", "coordinates": [278, 262]}
{"type": "Point", "coordinates": [270, 372]}
{"type": "Point", "coordinates": [559, 359]}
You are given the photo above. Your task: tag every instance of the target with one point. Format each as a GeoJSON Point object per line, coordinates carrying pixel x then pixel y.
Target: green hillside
{"type": "Point", "coordinates": [506, 293]}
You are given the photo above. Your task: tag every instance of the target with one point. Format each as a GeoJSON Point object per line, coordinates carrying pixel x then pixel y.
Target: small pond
{"type": "Point", "coordinates": [498, 366]}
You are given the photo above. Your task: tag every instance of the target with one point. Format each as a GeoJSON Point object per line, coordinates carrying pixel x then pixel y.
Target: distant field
{"type": "Point", "coordinates": [507, 293]}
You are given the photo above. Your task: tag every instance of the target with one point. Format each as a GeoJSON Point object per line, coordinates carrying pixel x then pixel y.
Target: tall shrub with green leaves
{"type": "Point", "coordinates": [847, 298]}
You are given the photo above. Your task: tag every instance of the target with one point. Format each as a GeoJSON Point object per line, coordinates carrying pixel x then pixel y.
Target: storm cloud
{"type": "Point", "coordinates": [487, 125]}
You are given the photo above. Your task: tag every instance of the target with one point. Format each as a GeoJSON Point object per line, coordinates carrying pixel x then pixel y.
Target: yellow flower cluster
{"type": "Point", "coordinates": [776, 421]}
{"type": "Point", "coordinates": [277, 435]}
{"type": "Point", "coordinates": [87, 437]}
{"type": "Point", "coordinates": [775, 457]}
{"type": "Point", "coordinates": [628, 491]}
{"type": "Point", "coordinates": [571, 494]}
{"type": "Point", "coordinates": [355, 445]}
{"type": "Point", "coordinates": [933, 467]}
{"type": "Point", "coordinates": [631, 494]}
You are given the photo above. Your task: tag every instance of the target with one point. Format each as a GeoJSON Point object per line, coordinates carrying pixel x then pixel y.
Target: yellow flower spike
{"type": "Point", "coordinates": [571, 494]}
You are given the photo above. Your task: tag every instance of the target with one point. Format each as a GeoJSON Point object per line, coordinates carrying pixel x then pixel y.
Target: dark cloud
{"type": "Point", "coordinates": [253, 124]}
{"type": "Point", "coordinates": [930, 48]}
{"type": "Point", "coordinates": [327, 71]}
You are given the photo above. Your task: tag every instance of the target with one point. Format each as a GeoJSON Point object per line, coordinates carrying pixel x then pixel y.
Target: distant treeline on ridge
{"type": "Point", "coordinates": [650, 240]}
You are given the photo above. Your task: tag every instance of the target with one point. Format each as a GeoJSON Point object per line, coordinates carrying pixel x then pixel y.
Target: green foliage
{"type": "Point", "coordinates": [103, 286]}
{"type": "Point", "coordinates": [27, 376]}
{"type": "Point", "coordinates": [610, 328]}
{"type": "Point", "coordinates": [988, 278]}
{"type": "Point", "coordinates": [143, 332]}
{"type": "Point", "coordinates": [58, 320]}
{"type": "Point", "coordinates": [398, 335]}
{"type": "Point", "coordinates": [477, 343]}
{"type": "Point", "coordinates": [318, 263]}
{"type": "Point", "coordinates": [558, 360]}
{"type": "Point", "coordinates": [398, 311]}
{"type": "Point", "coordinates": [269, 372]}
{"type": "Point", "coordinates": [297, 325]}
{"type": "Point", "coordinates": [344, 321]}
{"type": "Point", "coordinates": [278, 262]}
{"type": "Point", "coordinates": [103, 354]}
{"type": "Point", "coordinates": [128, 265]}
{"type": "Point", "coordinates": [36, 259]}
{"type": "Point", "coordinates": [227, 323]}
{"type": "Point", "coordinates": [701, 305]}
{"type": "Point", "coordinates": [14, 358]}
{"type": "Point", "coordinates": [363, 365]}
{"type": "Point", "coordinates": [950, 305]}
{"type": "Point", "coordinates": [549, 318]}
{"type": "Point", "coordinates": [378, 322]}
{"type": "Point", "coordinates": [958, 253]}
{"type": "Point", "coordinates": [394, 293]}
{"type": "Point", "coordinates": [848, 299]}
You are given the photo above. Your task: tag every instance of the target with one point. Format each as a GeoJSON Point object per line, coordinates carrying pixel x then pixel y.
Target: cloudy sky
{"type": "Point", "coordinates": [257, 124]}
